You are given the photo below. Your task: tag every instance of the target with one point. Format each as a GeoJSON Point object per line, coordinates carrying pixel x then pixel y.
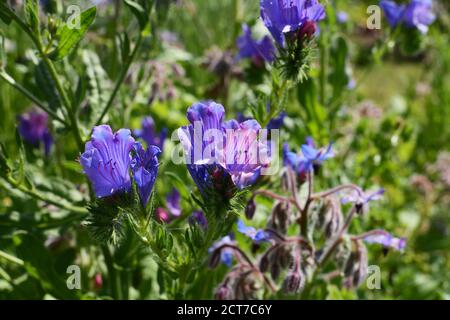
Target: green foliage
{"type": "Point", "coordinates": [70, 36]}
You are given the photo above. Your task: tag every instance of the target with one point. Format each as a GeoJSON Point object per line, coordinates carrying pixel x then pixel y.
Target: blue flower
{"type": "Point", "coordinates": [106, 160]}
{"type": "Point", "coordinates": [282, 17]}
{"type": "Point", "coordinates": [313, 156]}
{"type": "Point", "coordinates": [145, 169]}
{"type": "Point", "coordinates": [276, 122]}
{"type": "Point", "coordinates": [362, 198]}
{"type": "Point", "coordinates": [417, 14]}
{"type": "Point", "coordinates": [257, 50]}
{"type": "Point", "coordinates": [33, 129]}
{"type": "Point", "coordinates": [256, 235]}
{"type": "Point", "coordinates": [386, 239]}
{"type": "Point", "coordinates": [226, 254]}
{"type": "Point", "coordinates": [148, 134]}
{"type": "Point", "coordinates": [173, 203]}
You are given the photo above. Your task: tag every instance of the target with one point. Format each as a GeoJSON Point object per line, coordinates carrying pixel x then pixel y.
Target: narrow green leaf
{"type": "Point", "coordinates": [32, 15]}
{"type": "Point", "coordinates": [70, 37]}
{"type": "Point", "coordinates": [98, 84]}
{"type": "Point", "coordinates": [5, 12]}
{"type": "Point", "coordinates": [139, 13]}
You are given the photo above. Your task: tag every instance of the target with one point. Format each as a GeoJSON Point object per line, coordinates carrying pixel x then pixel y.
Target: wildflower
{"type": "Point", "coordinates": [314, 156]}
{"type": "Point", "coordinates": [250, 208]}
{"type": "Point", "coordinates": [145, 169]}
{"type": "Point", "coordinates": [220, 155]}
{"type": "Point", "coordinates": [33, 129]}
{"type": "Point", "coordinates": [417, 14]}
{"type": "Point", "coordinates": [256, 235]}
{"type": "Point", "coordinates": [148, 134]}
{"type": "Point", "coordinates": [199, 218]}
{"type": "Point", "coordinates": [173, 202]}
{"type": "Point", "coordinates": [106, 160]}
{"type": "Point", "coordinates": [386, 239]}
{"type": "Point", "coordinates": [226, 254]}
{"type": "Point", "coordinates": [284, 17]}
{"type": "Point", "coordinates": [257, 50]}
{"type": "Point", "coordinates": [362, 199]}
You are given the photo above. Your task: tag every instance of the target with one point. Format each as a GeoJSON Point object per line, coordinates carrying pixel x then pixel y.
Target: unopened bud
{"type": "Point", "coordinates": [223, 292]}
{"type": "Point", "coordinates": [294, 282]}
{"type": "Point", "coordinates": [308, 29]}
{"type": "Point", "coordinates": [161, 215]}
{"type": "Point", "coordinates": [215, 259]}
{"type": "Point", "coordinates": [250, 208]}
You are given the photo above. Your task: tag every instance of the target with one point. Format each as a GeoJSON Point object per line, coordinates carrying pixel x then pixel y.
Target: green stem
{"type": "Point", "coordinates": [10, 80]}
{"type": "Point", "coordinates": [120, 80]}
{"type": "Point", "coordinates": [114, 277]}
{"type": "Point", "coordinates": [62, 92]}
{"type": "Point", "coordinates": [11, 258]}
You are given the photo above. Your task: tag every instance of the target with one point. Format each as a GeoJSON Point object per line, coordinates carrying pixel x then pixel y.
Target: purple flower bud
{"type": "Point", "coordinates": [223, 292]}
{"type": "Point", "coordinates": [294, 281]}
{"type": "Point", "coordinates": [250, 208]}
{"type": "Point", "coordinates": [161, 215]}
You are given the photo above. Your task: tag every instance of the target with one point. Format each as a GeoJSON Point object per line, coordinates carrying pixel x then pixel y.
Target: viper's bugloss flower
{"type": "Point", "coordinates": [34, 130]}
{"type": "Point", "coordinates": [221, 154]}
{"type": "Point", "coordinates": [256, 50]}
{"type": "Point", "coordinates": [417, 14]}
{"type": "Point", "coordinates": [226, 254]}
{"type": "Point", "coordinates": [149, 134]}
{"type": "Point", "coordinates": [106, 160]}
{"type": "Point", "coordinates": [256, 235]}
{"type": "Point", "coordinates": [145, 169]}
{"type": "Point", "coordinates": [386, 239]}
{"type": "Point", "coordinates": [173, 202]}
{"type": "Point", "coordinates": [199, 218]}
{"type": "Point", "coordinates": [283, 17]}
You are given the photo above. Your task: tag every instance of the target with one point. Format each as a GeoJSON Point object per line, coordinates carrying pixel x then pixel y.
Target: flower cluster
{"type": "Point", "coordinates": [324, 238]}
{"type": "Point", "coordinates": [416, 14]}
{"type": "Point", "coordinates": [109, 157]}
{"type": "Point", "coordinates": [221, 155]}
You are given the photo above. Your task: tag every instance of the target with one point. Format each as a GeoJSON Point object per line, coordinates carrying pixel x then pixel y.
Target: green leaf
{"type": "Point", "coordinates": [70, 37]}
{"type": "Point", "coordinates": [139, 12]}
{"type": "Point", "coordinates": [5, 12]}
{"type": "Point", "coordinates": [99, 88]}
{"type": "Point", "coordinates": [32, 15]}
{"type": "Point", "coordinates": [46, 87]}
